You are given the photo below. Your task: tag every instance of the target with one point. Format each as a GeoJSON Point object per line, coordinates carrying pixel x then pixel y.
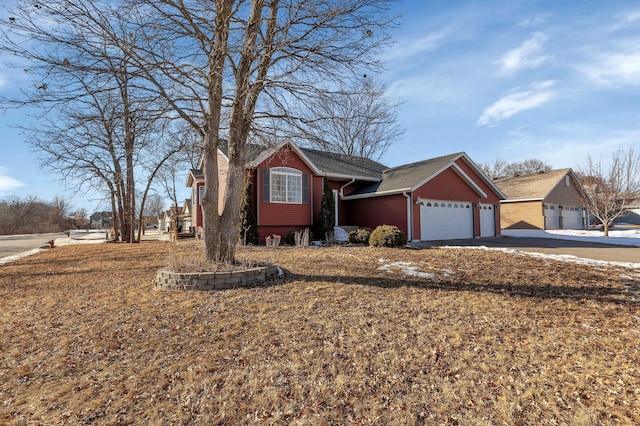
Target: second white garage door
{"type": "Point", "coordinates": [445, 220]}
{"type": "Point", "coordinates": [572, 218]}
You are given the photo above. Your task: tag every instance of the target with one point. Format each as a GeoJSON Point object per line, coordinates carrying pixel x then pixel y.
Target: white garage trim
{"type": "Point", "coordinates": [487, 220]}
{"type": "Point", "coordinates": [445, 220]}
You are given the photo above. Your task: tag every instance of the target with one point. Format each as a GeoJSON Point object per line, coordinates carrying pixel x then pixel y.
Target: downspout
{"type": "Point", "coordinates": [409, 221]}
{"type": "Point", "coordinates": [341, 194]}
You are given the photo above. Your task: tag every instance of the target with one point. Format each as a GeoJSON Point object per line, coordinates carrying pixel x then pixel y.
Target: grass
{"type": "Point", "coordinates": [491, 338]}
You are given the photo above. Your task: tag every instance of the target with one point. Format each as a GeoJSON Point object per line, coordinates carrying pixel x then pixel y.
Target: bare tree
{"type": "Point", "coordinates": [357, 119]}
{"type": "Point", "coordinates": [500, 168]}
{"type": "Point", "coordinates": [98, 127]}
{"type": "Point", "coordinates": [227, 66]}
{"type": "Point", "coordinates": [611, 189]}
{"type": "Point", "coordinates": [494, 170]}
{"type": "Point", "coordinates": [79, 219]}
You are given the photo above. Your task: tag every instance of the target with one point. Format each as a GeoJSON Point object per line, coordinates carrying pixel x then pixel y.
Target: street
{"type": "Point", "coordinates": [14, 244]}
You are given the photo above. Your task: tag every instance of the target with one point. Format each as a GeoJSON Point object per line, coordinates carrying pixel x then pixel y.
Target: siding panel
{"type": "Point", "coordinates": [522, 215]}
{"type": "Point", "coordinates": [373, 212]}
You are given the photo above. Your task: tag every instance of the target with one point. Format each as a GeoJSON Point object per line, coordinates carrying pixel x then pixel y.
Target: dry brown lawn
{"type": "Point", "coordinates": [493, 338]}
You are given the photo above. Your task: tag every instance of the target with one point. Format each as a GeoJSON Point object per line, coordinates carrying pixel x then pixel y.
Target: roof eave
{"type": "Point", "coordinates": [376, 194]}
{"type": "Point", "coordinates": [519, 200]}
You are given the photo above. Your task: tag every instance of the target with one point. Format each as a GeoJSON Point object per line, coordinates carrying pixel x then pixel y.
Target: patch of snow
{"type": "Point", "coordinates": [9, 259]}
{"type": "Point", "coordinates": [340, 235]}
{"type": "Point", "coordinates": [559, 257]}
{"type": "Point", "coordinates": [406, 268]}
{"type": "Point", "coordinates": [625, 237]}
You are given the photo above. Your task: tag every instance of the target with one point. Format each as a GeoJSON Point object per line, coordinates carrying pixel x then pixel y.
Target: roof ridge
{"type": "Point", "coordinates": [428, 160]}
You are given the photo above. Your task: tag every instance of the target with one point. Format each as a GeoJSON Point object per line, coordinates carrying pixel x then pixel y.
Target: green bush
{"type": "Point", "coordinates": [360, 236]}
{"type": "Point", "coordinates": [290, 238]}
{"type": "Point", "coordinates": [387, 236]}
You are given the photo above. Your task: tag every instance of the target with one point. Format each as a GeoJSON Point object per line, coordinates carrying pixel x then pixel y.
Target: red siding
{"type": "Point", "coordinates": [376, 211]}
{"type": "Point", "coordinates": [318, 183]}
{"type": "Point", "coordinates": [492, 197]}
{"type": "Point", "coordinates": [448, 185]}
{"type": "Point", "coordinates": [283, 214]}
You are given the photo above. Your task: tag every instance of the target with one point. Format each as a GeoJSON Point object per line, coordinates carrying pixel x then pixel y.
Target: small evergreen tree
{"type": "Point", "coordinates": [327, 210]}
{"type": "Point", "coordinates": [248, 220]}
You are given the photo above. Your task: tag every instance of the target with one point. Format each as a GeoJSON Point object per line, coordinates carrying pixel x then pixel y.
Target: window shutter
{"type": "Point", "coordinates": [305, 188]}
{"type": "Point", "coordinates": [265, 185]}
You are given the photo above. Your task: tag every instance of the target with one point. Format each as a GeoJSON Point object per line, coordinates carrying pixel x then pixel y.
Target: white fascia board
{"type": "Point", "coordinates": [349, 177]}
{"type": "Point", "coordinates": [469, 181]}
{"type": "Point", "coordinates": [520, 200]}
{"type": "Point", "coordinates": [265, 154]}
{"type": "Point", "coordinates": [376, 194]}
{"type": "Point", "coordinates": [486, 180]}
{"type": "Point", "coordinates": [268, 152]}
{"type": "Point", "coordinates": [190, 178]}
{"type": "Point", "coordinates": [459, 172]}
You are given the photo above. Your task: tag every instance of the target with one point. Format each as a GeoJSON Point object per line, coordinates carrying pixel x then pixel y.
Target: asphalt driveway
{"type": "Point", "coordinates": [597, 251]}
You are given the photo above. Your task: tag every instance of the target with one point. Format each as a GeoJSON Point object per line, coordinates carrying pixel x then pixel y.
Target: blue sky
{"type": "Point", "coordinates": [554, 80]}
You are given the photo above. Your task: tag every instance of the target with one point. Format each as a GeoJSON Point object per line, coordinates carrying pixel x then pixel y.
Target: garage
{"type": "Point", "coordinates": [487, 220]}
{"type": "Point", "coordinates": [445, 220]}
{"type": "Point", "coordinates": [572, 218]}
{"type": "Point", "coordinates": [551, 218]}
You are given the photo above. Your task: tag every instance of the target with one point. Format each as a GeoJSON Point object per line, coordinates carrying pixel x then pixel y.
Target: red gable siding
{"type": "Point", "coordinates": [447, 186]}
{"type": "Point", "coordinates": [376, 211]}
{"type": "Point", "coordinates": [280, 218]}
{"type": "Point", "coordinates": [492, 197]}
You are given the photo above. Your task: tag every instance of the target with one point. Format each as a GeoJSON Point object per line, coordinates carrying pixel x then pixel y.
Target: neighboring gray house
{"type": "Point", "coordinates": [101, 220]}
{"type": "Point", "coordinates": [632, 217]}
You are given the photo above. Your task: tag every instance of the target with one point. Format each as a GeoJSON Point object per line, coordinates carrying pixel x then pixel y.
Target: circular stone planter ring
{"type": "Point", "coordinates": [168, 280]}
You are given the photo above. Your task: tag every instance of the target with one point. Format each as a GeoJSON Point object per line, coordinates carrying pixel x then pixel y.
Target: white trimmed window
{"type": "Point", "coordinates": [286, 185]}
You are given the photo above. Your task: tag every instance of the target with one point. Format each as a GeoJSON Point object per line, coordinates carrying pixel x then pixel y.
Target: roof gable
{"type": "Point", "coordinates": [340, 165]}
{"type": "Point", "coordinates": [327, 163]}
{"type": "Point", "coordinates": [410, 177]}
{"type": "Point", "coordinates": [535, 186]}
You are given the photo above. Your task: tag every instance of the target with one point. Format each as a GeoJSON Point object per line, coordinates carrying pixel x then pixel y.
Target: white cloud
{"type": "Point", "coordinates": [629, 19]}
{"type": "Point", "coordinates": [7, 183]}
{"type": "Point", "coordinates": [428, 88]}
{"type": "Point", "coordinates": [517, 101]}
{"type": "Point", "coordinates": [534, 20]}
{"type": "Point", "coordinates": [527, 55]}
{"type": "Point", "coordinates": [407, 49]}
{"type": "Point", "coordinates": [614, 69]}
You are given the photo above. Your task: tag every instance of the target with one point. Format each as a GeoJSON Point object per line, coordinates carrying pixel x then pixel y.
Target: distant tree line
{"type": "Point", "coordinates": [501, 168]}
{"type": "Point", "coordinates": [30, 215]}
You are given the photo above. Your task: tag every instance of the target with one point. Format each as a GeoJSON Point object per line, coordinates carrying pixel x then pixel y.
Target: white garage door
{"type": "Point", "coordinates": [487, 220]}
{"type": "Point", "coordinates": [572, 218]}
{"type": "Point", "coordinates": [445, 220]}
{"type": "Point", "coordinates": [551, 220]}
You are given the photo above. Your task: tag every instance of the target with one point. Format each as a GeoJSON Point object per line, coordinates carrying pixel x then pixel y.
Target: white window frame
{"type": "Point", "coordinates": [290, 185]}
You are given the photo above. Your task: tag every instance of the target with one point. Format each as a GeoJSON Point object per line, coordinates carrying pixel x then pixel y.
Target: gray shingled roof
{"type": "Point", "coordinates": [338, 164]}
{"type": "Point", "coordinates": [197, 173]}
{"type": "Point", "coordinates": [408, 176]}
{"type": "Point", "coordinates": [532, 186]}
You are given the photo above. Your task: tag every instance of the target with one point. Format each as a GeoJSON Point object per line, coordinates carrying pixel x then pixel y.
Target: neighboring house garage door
{"type": "Point", "coordinates": [572, 218]}
{"type": "Point", "coordinates": [487, 220]}
{"type": "Point", "coordinates": [445, 220]}
{"type": "Point", "coordinates": [551, 220]}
